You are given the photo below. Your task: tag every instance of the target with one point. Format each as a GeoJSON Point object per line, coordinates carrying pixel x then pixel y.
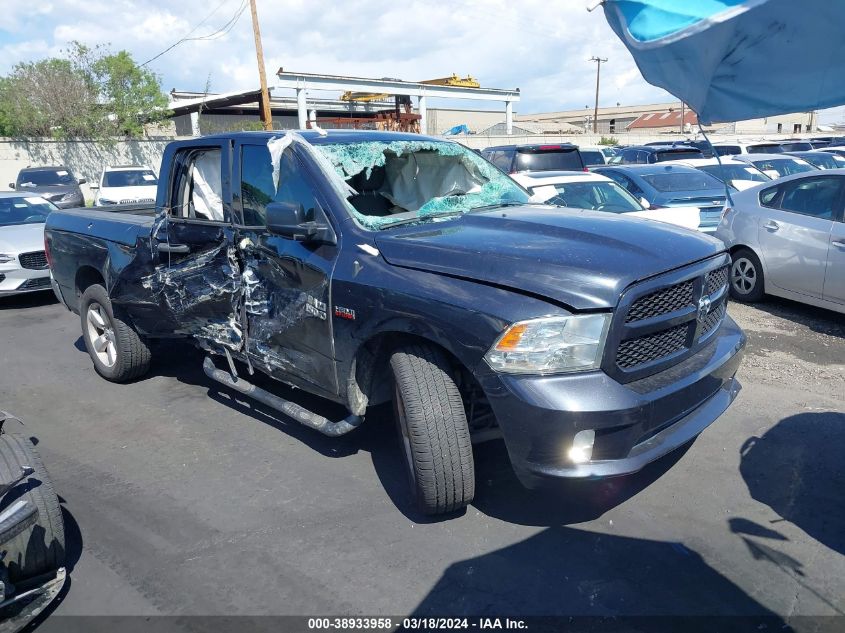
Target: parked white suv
{"type": "Point", "coordinates": [129, 184]}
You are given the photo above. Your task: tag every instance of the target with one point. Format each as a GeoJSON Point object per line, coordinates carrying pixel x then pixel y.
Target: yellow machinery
{"type": "Point", "coordinates": [454, 80]}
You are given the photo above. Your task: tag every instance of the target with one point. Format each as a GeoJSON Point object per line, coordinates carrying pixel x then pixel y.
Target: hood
{"type": "Point", "coordinates": [582, 259]}
{"type": "Point", "coordinates": [42, 189]}
{"type": "Point", "coordinates": [22, 238]}
{"type": "Point", "coordinates": [118, 194]}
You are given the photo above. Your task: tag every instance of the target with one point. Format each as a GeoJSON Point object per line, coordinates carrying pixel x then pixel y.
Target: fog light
{"type": "Point", "coordinates": [582, 446]}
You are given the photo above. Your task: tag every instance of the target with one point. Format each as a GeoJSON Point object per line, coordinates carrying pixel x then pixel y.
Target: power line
{"type": "Point", "coordinates": [223, 30]}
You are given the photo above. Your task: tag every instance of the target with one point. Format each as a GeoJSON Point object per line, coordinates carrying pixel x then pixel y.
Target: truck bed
{"type": "Point", "coordinates": [123, 227]}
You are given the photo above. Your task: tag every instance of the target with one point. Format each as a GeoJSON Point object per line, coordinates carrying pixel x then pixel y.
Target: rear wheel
{"type": "Point", "coordinates": [40, 548]}
{"type": "Point", "coordinates": [433, 430]}
{"type": "Point", "coordinates": [118, 352]}
{"type": "Point", "coordinates": [746, 276]}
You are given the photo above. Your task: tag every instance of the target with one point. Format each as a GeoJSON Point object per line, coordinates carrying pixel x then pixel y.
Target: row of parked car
{"type": "Point", "coordinates": [676, 185]}
{"type": "Point", "coordinates": [781, 213]}
{"type": "Point", "coordinates": [39, 190]}
{"type": "Point", "coordinates": [121, 184]}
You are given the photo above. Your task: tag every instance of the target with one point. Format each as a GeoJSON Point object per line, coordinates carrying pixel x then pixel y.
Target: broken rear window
{"type": "Point", "coordinates": [398, 181]}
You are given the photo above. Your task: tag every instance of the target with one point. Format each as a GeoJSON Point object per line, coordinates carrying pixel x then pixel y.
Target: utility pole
{"type": "Point", "coordinates": [683, 116]}
{"type": "Point", "coordinates": [264, 104]}
{"type": "Point", "coordinates": [599, 61]}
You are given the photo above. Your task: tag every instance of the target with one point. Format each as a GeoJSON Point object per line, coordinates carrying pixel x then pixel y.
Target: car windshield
{"type": "Point", "coordinates": [592, 157]}
{"type": "Point", "coordinates": [727, 150]}
{"type": "Point", "coordinates": [129, 178]}
{"type": "Point", "coordinates": [676, 155]}
{"type": "Point", "coordinates": [24, 210]}
{"type": "Point", "coordinates": [784, 166]}
{"type": "Point", "coordinates": [45, 178]}
{"type": "Point", "coordinates": [406, 181]}
{"type": "Point", "coordinates": [766, 148]}
{"type": "Point", "coordinates": [825, 161]}
{"type": "Point", "coordinates": [558, 159]}
{"type": "Point", "coordinates": [596, 195]}
{"type": "Point", "coordinates": [728, 172]}
{"type": "Point", "coordinates": [692, 180]}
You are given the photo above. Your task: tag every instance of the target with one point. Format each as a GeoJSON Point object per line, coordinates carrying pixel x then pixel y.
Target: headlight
{"type": "Point", "coordinates": [70, 196]}
{"type": "Point", "coordinates": [551, 345]}
{"type": "Point", "coordinates": [5, 259]}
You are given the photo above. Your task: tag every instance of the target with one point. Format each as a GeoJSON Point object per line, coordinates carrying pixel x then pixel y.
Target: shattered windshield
{"type": "Point", "coordinates": [398, 181]}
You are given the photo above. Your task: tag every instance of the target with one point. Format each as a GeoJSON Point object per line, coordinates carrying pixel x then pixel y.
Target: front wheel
{"type": "Point", "coordinates": [117, 351]}
{"type": "Point", "coordinates": [746, 276]}
{"type": "Point", "coordinates": [433, 429]}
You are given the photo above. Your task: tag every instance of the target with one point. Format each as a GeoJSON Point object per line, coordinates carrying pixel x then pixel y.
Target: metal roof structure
{"type": "Point", "coordinates": [302, 83]}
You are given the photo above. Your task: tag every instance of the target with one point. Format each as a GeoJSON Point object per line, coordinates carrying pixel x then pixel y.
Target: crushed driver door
{"type": "Point", "coordinates": [287, 283]}
{"type": "Point", "coordinates": [199, 277]}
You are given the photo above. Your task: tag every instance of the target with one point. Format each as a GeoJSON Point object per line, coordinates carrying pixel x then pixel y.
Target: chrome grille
{"type": "Point", "coordinates": [36, 260]}
{"type": "Point", "coordinates": [661, 302]}
{"type": "Point", "coordinates": [137, 201]}
{"type": "Point", "coordinates": [712, 321]}
{"type": "Point", "coordinates": [664, 320]}
{"type": "Point", "coordinates": [716, 280]}
{"type": "Point", "coordinates": [645, 349]}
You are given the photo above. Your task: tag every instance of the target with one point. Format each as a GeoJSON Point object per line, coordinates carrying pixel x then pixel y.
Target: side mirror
{"type": "Point", "coordinates": [288, 220]}
{"type": "Point", "coordinates": [81, 181]}
{"type": "Point", "coordinates": [646, 204]}
{"type": "Point", "coordinates": [11, 185]}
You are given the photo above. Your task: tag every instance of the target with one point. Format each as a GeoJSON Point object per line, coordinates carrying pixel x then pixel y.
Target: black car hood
{"type": "Point", "coordinates": [48, 190]}
{"type": "Point", "coordinates": [582, 259]}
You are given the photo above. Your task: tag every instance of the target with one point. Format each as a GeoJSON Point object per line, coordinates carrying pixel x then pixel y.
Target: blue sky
{"type": "Point", "coordinates": [538, 46]}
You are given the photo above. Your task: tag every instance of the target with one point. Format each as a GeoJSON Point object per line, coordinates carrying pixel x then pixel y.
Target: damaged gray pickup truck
{"type": "Point", "coordinates": [371, 268]}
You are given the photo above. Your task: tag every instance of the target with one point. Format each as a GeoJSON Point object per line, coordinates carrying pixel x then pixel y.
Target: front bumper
{"type": "Point", "coordinates": [634, 423]}
{"type": "Point", "coordinates": [15, 281]}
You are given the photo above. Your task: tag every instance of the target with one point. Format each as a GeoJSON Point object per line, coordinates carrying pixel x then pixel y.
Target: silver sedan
{"type": "Point", "coordinates": [23, 261]}
{"type": "Point", "coordinates": [787, 238]}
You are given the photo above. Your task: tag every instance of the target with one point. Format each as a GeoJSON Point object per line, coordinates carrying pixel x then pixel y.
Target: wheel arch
{"type": "Point", "coordinates": [738, 247]}
{"type": "Point", "coordinates": [368, 379]}
{"type": "Point", "coordinates": [86, 276]}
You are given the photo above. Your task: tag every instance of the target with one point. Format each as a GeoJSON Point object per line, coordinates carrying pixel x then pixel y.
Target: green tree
{"type": "Point", "coordinates": [86, 93]}
{"type": "Point", "coordinates": [132, 94]}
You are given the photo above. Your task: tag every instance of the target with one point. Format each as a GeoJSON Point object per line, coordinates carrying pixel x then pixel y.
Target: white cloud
{"type": "Point", "coordinates": [533, 45]}
{"type": "Point", "coordinates": [538, 46]}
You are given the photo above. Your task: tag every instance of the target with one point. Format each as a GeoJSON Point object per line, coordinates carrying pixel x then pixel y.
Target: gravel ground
{"type": "Point", "coordinates": [181, 499]}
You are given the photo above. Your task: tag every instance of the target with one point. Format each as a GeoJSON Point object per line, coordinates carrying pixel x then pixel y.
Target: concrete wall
{"type": "Point", "coordinates": [85, 158]}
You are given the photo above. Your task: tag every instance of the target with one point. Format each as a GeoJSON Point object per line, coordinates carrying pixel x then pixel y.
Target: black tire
{"type": "Point", "coordinates": [41, 547]}
{"type": "Point", "coordinates": [433, 430]}
{"type": "Point", "coordinates": [132, 355]}
{"type": "Point", "coordinates": [746, 278]}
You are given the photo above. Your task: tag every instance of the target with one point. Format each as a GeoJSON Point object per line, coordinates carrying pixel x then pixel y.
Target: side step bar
{"type": "Point", "coordinates": [290, 409]}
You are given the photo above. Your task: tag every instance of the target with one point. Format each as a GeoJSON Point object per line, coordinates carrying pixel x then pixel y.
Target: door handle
{"type": "Point", "coordinates": [838, 244]}
{"type": "Point", "coordinates": [164, 247]}
{"type": "Point", "coordinates": [771, 226]}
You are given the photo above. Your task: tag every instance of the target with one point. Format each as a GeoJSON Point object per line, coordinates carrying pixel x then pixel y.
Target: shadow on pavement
{"type": "Point", "coordinates": [28, 300]}
{"type": "Point", "coordinates": [572, 572]}
{"type": "Point", "coordinates": [498, 493]}
{"type": "Point", "coordinates": [817, 319]}
{"type": "Point", "coordinates": [797, 469]}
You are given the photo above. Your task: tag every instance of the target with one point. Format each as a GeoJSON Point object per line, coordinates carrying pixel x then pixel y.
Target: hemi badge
{"type": "Point", "coordinates": [344, 313]}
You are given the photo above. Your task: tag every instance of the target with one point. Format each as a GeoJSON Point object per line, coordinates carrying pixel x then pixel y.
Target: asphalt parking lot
{"type": "Point", "coordinates": [181, 499]}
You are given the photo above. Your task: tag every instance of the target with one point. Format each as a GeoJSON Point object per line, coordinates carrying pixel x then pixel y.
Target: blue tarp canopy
{"type": "Point", "coordinates": [731, 60]}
